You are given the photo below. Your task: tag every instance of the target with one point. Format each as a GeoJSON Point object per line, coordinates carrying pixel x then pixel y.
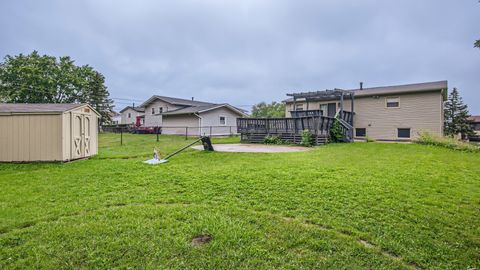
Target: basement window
{"type": "Point", "coordinates": [403, 133]}
{"type": "Point", "coordinates": [360, 132]}
{"type": "Point", "coordinates": [223, 120]}
{"type": "Point", "coordinates": [393, 102]}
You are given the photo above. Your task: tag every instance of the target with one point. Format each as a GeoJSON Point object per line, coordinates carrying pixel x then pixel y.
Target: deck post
{"type": "Point", "coordinates": [352, 95]}
{"type": "Point", "coordinates": [341, 106]}
{"type": "Point", "coordinates": [267, 121]}
{"type": "Point", "coordinates": [294, 104]}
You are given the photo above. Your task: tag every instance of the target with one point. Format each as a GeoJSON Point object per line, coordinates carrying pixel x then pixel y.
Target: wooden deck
{"type": "Point", "coordinates": [255, 130]}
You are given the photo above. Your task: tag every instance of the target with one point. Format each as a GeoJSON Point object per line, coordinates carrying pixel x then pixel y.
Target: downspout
{"type": "Point", "coordinates": [199, 124]}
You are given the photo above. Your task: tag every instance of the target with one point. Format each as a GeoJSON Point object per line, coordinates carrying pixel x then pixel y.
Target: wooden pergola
{"type": "Point", "coordinates": [325, 95]}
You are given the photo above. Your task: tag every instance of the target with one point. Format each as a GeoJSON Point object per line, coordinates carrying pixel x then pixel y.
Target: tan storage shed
{"type": "Point", "coordinates": [47, 132]}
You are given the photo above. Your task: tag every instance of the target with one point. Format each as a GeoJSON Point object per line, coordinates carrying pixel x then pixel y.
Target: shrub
{"type": "Point", "coordinates": [336, 134]}
{"type": "Point", "coordinates": [451, 143]}
{"type": "Point", "coordinates": [273, 140]}
{"type": "Point", "coordinates": [307, 139]}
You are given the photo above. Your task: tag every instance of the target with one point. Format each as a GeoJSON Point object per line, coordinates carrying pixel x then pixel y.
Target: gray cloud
{"type": "Point", "coordinates": [243, 52]}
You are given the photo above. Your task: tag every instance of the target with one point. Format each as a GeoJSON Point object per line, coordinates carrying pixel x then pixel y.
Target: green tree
{"type": "Point", "coordinates": [477, 43]}
{"type": "Point", "coordinates": [272, 110]}
{"type": "Point", "coordinates": [34, 78]}
{"type": "Point", "coordinates": [456, 116]}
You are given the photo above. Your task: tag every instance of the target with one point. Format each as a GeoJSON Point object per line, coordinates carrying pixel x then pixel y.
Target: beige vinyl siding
{"type": "Point", "coordinates": [212, 118]}
{"type": "Point", "coordinates": [156, 119]}
{"type": "Point", "coordinates": [421, 112]}
{"type": "Point", "coordinates": [176, 124]}
{"type": "Point", "coordinates": [30, 137]}
{"type": "Point", "coordinates": [133, 116]}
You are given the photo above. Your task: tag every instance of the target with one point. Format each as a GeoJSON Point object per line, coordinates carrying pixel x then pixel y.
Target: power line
{"type": "Point", "coordinates": [128, 99]}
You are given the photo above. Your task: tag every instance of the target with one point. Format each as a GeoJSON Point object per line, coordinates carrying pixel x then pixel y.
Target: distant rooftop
{"type": "Point", "coordinates": [37, 107]}
{"type": "Point", "coordinates": [474, 118]}
{"type": "Point", "coordinates": [176, 101]}
{"type": "Point", "coordinates": [137, 109]}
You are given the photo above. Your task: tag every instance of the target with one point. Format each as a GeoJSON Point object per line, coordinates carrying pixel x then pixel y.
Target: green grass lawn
{"type": "Point", "coordinates": [341, 206]}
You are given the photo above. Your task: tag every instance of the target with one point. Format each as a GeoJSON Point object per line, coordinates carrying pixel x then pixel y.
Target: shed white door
{"type": "Point", "coordinates": [78, 141]}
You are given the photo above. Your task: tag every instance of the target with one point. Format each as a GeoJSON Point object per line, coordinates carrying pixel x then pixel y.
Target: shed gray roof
{"type": "Point", "coordinates": [397, 89]}
{"type": "Point", "coordinates": [37, 107]}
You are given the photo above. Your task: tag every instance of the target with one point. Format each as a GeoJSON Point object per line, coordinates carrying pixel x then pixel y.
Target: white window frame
{"type": "Point", "coordinates": [324, 112]}
{"type": "Point", "coordinates": [220, 120]}
{"type": "Point", "coordinates": [153, 110]}
{"type": "Point", "coordinates": [386, 102]}
{"type": "Point", "coordinates": [301, 107]}
{"type": "Point", "coordinates": [129, 115]}
{"type": "Point", "coordinates": [160, 110]}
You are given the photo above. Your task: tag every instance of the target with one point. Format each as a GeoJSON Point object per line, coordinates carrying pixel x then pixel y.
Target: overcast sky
{"type": "Point", "coordinates": [246, 51]}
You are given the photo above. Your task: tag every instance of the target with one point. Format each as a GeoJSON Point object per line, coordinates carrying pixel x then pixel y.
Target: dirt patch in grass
{"type": "Point", "coordinates": [201, 240]}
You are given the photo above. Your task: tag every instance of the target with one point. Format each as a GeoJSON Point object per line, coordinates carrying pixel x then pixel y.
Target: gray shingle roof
{"type": "Point", "coordinates": [474, 118]}
{"type": "Point", "coordinates": [191, 109]}
{"type": "Point", "coordinates": [37, 107]}
{"type": "Point", "coordinates": [197, 109]}
{"type": "Point", "coordinates": [137, 109]}
{"type": "Point", "coordinates": [177, 101]}
{"type": "Point", "coordinates": [397, 89]}
{"type": "Point", "coordinates": [406, 88]}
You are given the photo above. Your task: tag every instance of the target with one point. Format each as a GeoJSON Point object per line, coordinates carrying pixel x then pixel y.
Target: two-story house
{"type": "Point", "coordinates": [388, 113]}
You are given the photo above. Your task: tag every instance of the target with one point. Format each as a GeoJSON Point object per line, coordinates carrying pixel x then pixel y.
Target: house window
{"type": "Point", "coordinates": [324, 109]}
{"type": "Point", "coordinates": [299, 107]}
{"type": "Point", "coordinates": [392, 102]}
{"type": "Point", "coordinates": [129, 115]}
{"type": "Point", "coordinates": [403, 133]}
{"type": "Point", "coordinates": [223, 120]}
{"type": "Point", "coordinates": [360, 132]}
{"type": "Point", "coordinates": [160, 110]}
{"type": "Point", "coordinates": [153, 110]}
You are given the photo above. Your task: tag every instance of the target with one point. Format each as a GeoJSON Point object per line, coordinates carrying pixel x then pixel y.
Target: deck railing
{"type": "Point", "coordinates": [347, 116]}
{"type": "Point", "coordinates": [315, 124]}
{"type": "Point", "coordinates": [306, 113]}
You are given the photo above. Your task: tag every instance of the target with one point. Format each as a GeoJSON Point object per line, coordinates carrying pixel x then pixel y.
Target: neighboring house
{"type": "Point", "coordinates": [129, 115]}
{"type": "Point", "coordinates": [387, 113]}
{"type": "Point", "coordinates": [475, 123]}
{"type": "Point", "coordinates": [116, 118]}
{"type": "Point", "coordinates": [180, 116]}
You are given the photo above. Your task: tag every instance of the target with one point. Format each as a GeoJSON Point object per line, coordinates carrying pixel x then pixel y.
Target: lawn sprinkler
{"type": "Point", "coordinates": [207, 146]}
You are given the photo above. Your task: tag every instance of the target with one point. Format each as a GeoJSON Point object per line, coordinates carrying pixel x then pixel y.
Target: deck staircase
{"type": "Point", "coordinates": [345, 119]}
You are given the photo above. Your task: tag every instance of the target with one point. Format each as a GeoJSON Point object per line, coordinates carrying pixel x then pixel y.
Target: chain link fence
{"type": "Point", "coordinates": [188, 131]}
